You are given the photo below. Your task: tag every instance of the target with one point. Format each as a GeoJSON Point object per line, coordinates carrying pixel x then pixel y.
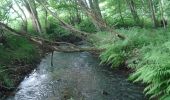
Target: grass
{"type": "Point", "coordinates": [147, 51]}
{"type": "Point", "coordinates": [4, 77]}
{"type": "Point", "coordinates": [15, 51]}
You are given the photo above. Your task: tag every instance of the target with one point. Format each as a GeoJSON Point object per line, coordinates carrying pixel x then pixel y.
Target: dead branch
{"type": "Point", "coordinates": [52, 46]}
{"type": "Point", "coordinates": [64, 24]}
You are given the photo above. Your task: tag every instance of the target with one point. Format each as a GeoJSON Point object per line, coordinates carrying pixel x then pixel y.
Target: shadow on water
{"type": "Point", "coordinates": [75, 76]}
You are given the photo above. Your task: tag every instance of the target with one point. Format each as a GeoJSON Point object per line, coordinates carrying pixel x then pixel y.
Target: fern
{"type": "Point", "coordinates": [154, 70]}
{"type": "Point", "coordinates": [148, 52]}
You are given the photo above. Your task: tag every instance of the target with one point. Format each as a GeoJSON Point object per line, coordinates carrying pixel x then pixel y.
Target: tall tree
{"type": "Point", "coordinates": [30, 5]}
{"type": "Point", "coordinates": [25, 22]}
{"type": "Point", "coordinates": [76, 14]}
{"type": "Point", "coordinates": [133, 9]}
{"type": "Point", "coordinates": [91, 8]}
{"type": "Point", "coordinates": [162, 14]}
{"type": "Point", "coordinates": [152, 12]}
{"type": "Point", "coordinates": [100, 22]}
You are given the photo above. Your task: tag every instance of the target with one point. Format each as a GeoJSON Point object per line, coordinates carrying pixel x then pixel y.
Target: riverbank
{"type": "Point", "coordinates": [145, 51]}
{"type": "Point", "coordinates": [138, 55]}
{"type": "Point", "coordinates": [18, 57]}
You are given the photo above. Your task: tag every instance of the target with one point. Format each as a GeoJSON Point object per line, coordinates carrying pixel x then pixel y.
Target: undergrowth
{"type": "Point", "coordinates": [16, 50]}
{"type": "Point", "coordinates": [147, 52]}
{"type": "Point", "coordinates": [4, 77]}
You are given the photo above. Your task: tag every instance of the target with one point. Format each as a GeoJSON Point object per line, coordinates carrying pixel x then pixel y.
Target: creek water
{"type": "Point", "coordinates": [76, 76]}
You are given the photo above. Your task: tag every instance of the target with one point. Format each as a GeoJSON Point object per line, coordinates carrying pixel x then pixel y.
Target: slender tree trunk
{"type": "Point", "coordinates": [152, 11]}
{"type": "Point", "coordinates": [93, 14]}
{"type": "Point", "coordinates": [25, 17]}
{"type": "Point", "coordinates": [78, 17]}
{"type": "Point", "coordinates": [132, 8]}
{"type": "Point", "coordinates": [46, 20]}
{"type": "Point", "coordinates": [64, 24]}
{"type": "Point", "coordinates": [162, 13]}
{"type": "Point", "coordinates": [31, 7]}
{"type": "Point", "coordinates": [97, 8]}
{"type": "Point", "coordinates": [35, 15]}
{"type": "Point", "coordinates": [50, 45]}
{"type": "Point", "coordinates": [18, 14]}
{"type": "Point", "coordinates": [79, 33]}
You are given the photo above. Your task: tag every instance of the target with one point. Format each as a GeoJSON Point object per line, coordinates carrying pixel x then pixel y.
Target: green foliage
{"type": "Point", "coordinates": [86, 26]}
{"type": "Point", "coordinates": [55, 31]}
{"type": "Point", "coordinates": [148, 52]}
{"type": "Point", "coordinates": [17, 49]}
{"type": "Point", "coordinates": [4, 77]}
{"type": "Point", "coordinates": [153, 68]}
{"type": "Point", "coordinates": [113, 55]}
{"type": "Point", "coordinates": [5, 6]}
{"type": "Point", "coordinates": [118, 52]}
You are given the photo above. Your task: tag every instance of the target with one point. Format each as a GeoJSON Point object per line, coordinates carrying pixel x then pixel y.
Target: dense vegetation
{"type": "Point", "coordinates": [147, 52]}
{"type": "Point", "coordinates": [16, 50]}
{"type": "Point", "coordinates": [132, 33]}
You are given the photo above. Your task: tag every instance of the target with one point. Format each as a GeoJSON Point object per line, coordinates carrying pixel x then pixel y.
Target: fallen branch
{"type": "Point", "coordinates": [52, 46]}
{"type": "Point", "coordinates": [64, 24]}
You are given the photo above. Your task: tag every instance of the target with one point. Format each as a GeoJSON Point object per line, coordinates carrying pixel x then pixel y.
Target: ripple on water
{"type": "Point", "coordinates": [75, 76]}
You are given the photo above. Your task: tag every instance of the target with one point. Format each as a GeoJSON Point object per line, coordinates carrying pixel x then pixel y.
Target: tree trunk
{"type": "Point", "coordinates": [31, 7]}
{"type": "Point", "coordinates": [152, 11]}
{"type": "Point", "coordinates": [23, 21]}
{"type": "Point", "coordinates": [93, 12]}
{"type": "Point", "coordinates": [46, 20]}
{"type": "Point", "coordinates": [25, 17]}
{"type": "Point", "coordinates": [78, 17]}
{"type": "Point", "coordinates": [52, 46]}
{"type": "Point", "coordinates": [97, 20]}
{"type": "Point", "coordinates": [64, 24]}
{"type": "Point", "coordinates": [132, 8]}
{"type": "Point", "coordinates": [162, 13]}
{"type": "Point", "coordinates": [97, 8]}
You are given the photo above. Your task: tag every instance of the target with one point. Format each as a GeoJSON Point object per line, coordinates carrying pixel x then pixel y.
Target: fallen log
{"type": "Point", "coordinates": [65, 25]}
{"type": "Point", "coordinates": [52, 46]}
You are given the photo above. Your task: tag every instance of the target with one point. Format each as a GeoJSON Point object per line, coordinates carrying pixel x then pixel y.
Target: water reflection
{"type": "Point", "coordinates": [75, 76]}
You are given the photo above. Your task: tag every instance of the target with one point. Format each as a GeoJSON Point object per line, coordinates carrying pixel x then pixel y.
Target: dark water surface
{"type": "Point", "coordinates": [76, 76]}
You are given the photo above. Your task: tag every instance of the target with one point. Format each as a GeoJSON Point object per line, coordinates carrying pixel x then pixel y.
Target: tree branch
{"type": "Point", "coordinates": [53, 46]}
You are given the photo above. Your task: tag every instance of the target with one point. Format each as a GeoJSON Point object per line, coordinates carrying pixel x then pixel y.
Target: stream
{"type": "Point", "coordinates": [76, 76]}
